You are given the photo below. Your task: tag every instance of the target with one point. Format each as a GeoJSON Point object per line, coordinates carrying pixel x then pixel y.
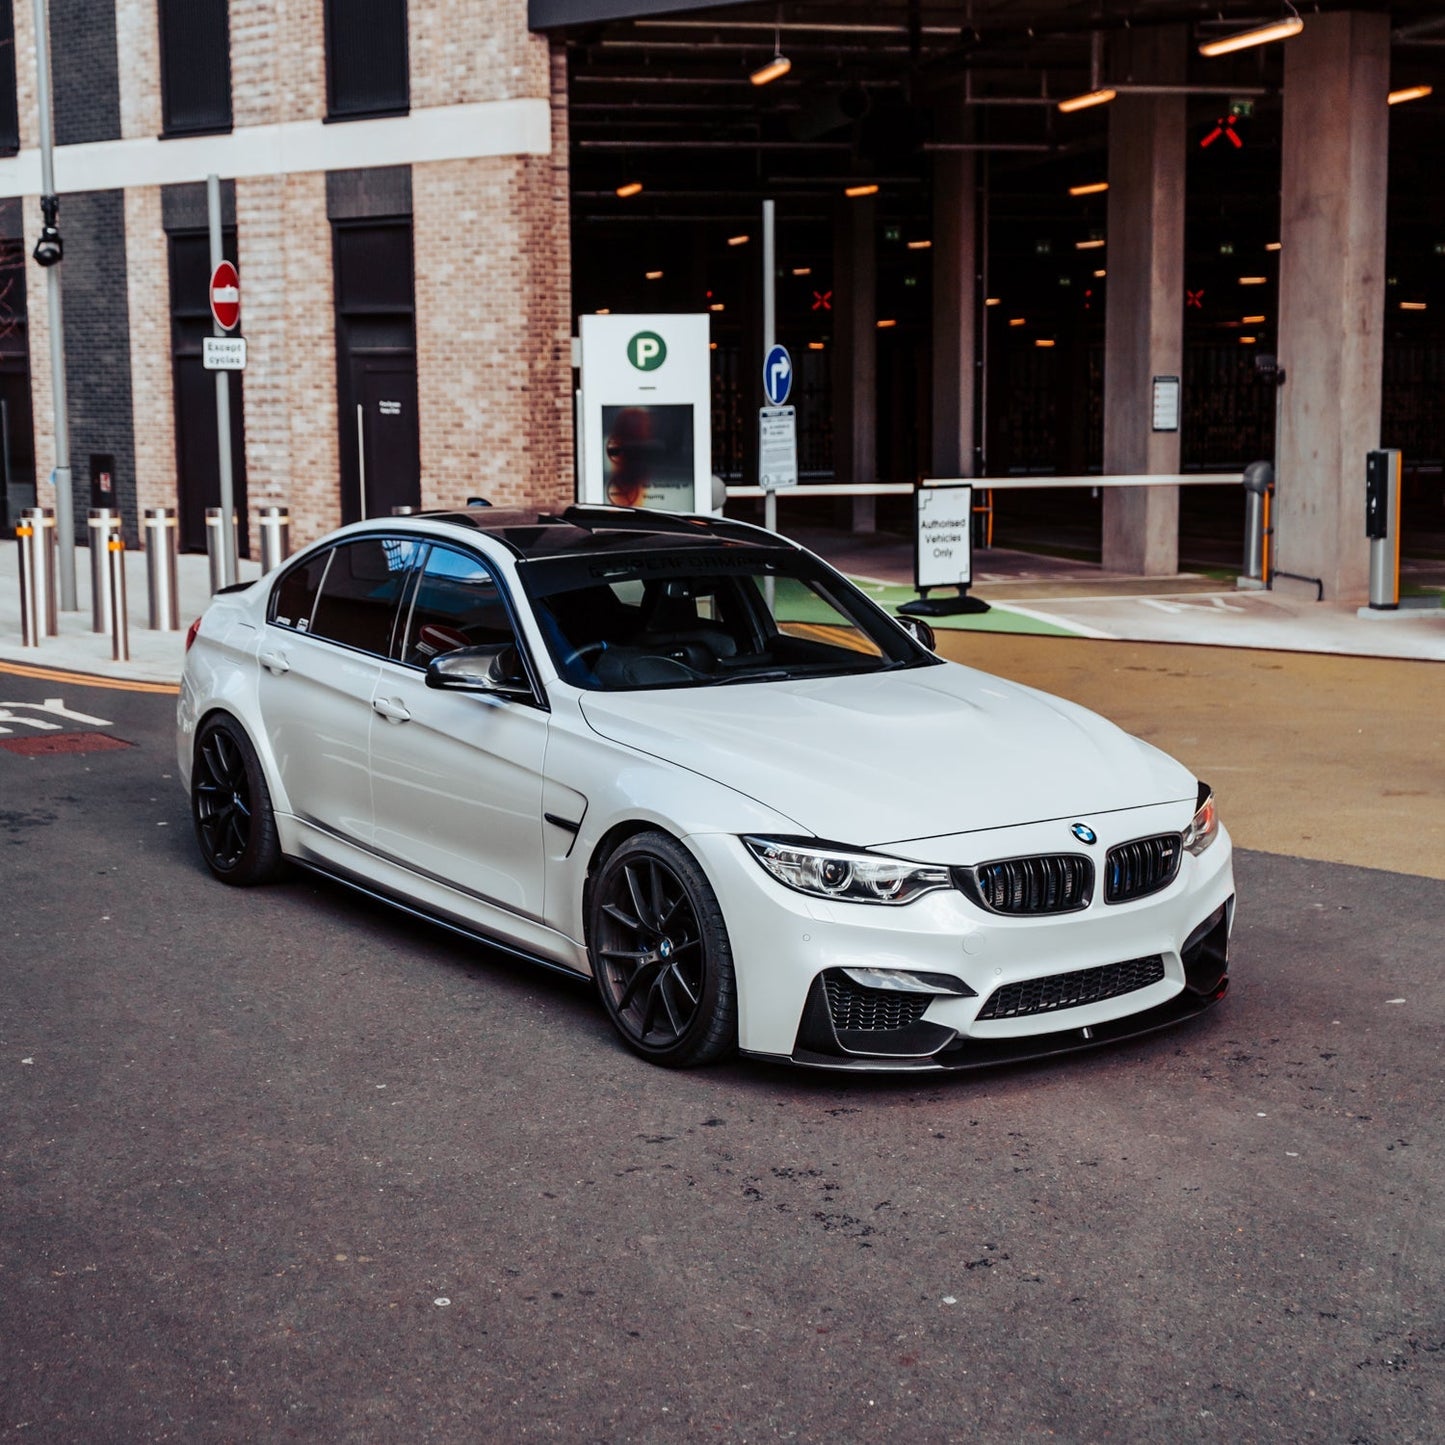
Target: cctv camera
{"type": "Point", "coordinates": [49, 249]}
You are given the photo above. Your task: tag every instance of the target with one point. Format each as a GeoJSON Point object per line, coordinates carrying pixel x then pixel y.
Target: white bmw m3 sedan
{"type": "Point", "coordinates": [688, 759]}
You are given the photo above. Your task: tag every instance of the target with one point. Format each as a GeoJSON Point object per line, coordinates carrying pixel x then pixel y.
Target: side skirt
{"type": "Point", "coordinates": [472, 935]}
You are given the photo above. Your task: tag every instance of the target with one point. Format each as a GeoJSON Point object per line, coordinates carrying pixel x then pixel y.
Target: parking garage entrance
{"type": "Point", "coordinates": [928, 184]}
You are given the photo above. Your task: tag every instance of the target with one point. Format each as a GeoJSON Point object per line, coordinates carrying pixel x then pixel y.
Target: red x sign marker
{"type": "Point", "coordinates": [1224, 126]}
{"type": "Point", "coordinates": [822, 300]}
{"type": "Point", "coordinates": [1194, 298]}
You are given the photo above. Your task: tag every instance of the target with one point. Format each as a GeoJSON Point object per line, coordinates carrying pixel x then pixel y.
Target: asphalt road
{"type": "Point", "coordinates": [286, 1165]}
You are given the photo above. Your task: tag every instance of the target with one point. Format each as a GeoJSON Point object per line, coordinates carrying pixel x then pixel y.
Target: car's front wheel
{"type": "Point", "coordinates": [660, 954]}
{"type": "Point", "coordinates": [231, 806]}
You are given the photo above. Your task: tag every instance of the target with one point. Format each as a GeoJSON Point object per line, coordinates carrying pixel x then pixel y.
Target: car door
{"type": "Point", "coordinates": [331, 623]}
{"type": "Point", "coordinates": [457, 777]}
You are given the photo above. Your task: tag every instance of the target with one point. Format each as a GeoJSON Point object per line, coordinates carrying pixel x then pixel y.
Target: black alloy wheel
{"type": "Point", "coordinates": [231, 806]}
{"type": "Point", "coordinates": [660, 954]}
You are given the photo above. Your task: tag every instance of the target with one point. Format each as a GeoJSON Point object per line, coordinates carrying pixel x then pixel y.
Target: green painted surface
{"type": "Point", "coordinates": [996, 619]}
{"type": "Point", "coordinates": [796, 603]}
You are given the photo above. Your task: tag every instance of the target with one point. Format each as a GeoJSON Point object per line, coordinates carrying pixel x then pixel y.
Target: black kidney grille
{"type": "Point", "coordinates": [1072, 990]}
{"type": "Point", "coordinates": [1049, 883]}
{"type": "Point", "coordinates": [871, 1009]}
{"type": "Point", "coordinates": [1137, 869]}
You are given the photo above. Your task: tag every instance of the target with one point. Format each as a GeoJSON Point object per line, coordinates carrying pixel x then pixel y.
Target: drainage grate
{"type": "Point", "coordinates": [48, 744]}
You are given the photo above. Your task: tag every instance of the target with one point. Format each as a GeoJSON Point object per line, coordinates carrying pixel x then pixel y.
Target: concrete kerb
{"type": "Point", "coordinates": [154, 656]}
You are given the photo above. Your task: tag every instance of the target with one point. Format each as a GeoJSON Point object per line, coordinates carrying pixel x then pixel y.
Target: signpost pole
{"type": "Point", "coordinates": [64, 502]}
{"type": "Point", "coordinates": [223, 393]}
{"type": "Point", "coordinates": [770, 313]}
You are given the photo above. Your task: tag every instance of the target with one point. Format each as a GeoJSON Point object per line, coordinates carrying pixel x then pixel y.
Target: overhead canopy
{"type": "Point", "coordinates": [555, 14]}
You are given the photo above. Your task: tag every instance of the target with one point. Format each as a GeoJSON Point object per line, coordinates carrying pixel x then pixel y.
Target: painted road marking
{"type": "Point", "coordinates": [1217, 604]}
{"type": "Point", "coordinates": [83, 679]}
{"type": "Point", "coordinates": [53, 705]}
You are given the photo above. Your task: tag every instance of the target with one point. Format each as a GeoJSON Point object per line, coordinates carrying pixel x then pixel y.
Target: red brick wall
{"type": "Point", "coordinates": [493, 303]}
{"type": "Point", "coordinates": [284, 241]}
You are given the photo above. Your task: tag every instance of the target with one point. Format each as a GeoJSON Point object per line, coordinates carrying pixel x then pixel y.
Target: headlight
{"type": "Point", "coordinates": [827, 871]}
{"type": "Point", "coordinates": [1204, 829]}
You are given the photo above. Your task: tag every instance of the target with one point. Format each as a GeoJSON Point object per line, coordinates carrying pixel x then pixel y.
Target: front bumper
{"type": "Point", "coordinates": [1071, 981]}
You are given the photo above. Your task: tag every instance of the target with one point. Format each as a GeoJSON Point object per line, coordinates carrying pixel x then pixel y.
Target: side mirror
{"type": "Point", "coordinates": [919, 631]}
{"type": "Point", "coordinates": [495, 667]}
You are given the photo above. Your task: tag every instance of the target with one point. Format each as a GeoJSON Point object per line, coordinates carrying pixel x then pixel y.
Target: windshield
{"type": "Point", "coordinates": [694, 617]}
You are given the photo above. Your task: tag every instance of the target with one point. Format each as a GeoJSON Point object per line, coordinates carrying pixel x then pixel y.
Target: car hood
{"type": "Point", "coordinates": [889, 757]}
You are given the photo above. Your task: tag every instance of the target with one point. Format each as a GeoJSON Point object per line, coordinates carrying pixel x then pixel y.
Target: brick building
{"type": "Point", "coordinates": [395, 196]}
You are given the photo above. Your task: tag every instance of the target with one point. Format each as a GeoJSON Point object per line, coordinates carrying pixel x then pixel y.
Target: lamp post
{"type": "Point", "coordinates": [48, 252]}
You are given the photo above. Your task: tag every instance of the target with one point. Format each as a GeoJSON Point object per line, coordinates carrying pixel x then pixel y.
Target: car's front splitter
{"type": "Point", "coordinates": [990, 1053]}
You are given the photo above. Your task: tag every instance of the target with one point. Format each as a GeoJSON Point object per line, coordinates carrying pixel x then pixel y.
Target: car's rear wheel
{"type": "Point", "coordinates": [231, 806]}
{"type": "Point", "coordinates": [660, 954]}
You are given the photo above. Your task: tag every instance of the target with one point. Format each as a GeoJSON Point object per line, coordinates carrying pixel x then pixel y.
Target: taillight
{"type": "Point", "coordinates": [191, 631]}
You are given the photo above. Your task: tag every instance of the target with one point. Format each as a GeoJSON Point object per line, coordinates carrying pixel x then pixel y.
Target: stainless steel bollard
{"type": "Point", "coordinates": [104, 523]}
{"type": "Point", "coordinates": [31, 608]}
{"type": "Point", "coordinates": [1258, 494]}
{"type": "Point", "coordinates": [162, 542]}
{"type": "Point", "coordinates": [274, 526]}
{"type": "Point", "coordinates": [216, 545]}
{"type": "Point", "coordinates": [115, 590]}
{"type": "Point", "coordinates": [42, 568]}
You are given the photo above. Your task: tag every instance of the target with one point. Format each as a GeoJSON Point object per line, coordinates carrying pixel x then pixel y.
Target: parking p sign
{"type": "Point", "coordinates": [647, 351]}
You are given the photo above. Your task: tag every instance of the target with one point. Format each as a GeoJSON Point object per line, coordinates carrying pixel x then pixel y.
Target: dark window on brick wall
{"type": "Point", "coordinates": [195, 66]}
{"type": "Point", "coordinates": [366, 66]}
{"type": "Point", "coordinates": [9, 116]}
{"type": "Point", "coordinates": [84, 73]}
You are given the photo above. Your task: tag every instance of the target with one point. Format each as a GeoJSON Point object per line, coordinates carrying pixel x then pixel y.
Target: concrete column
{"type": "Point", "coordinates": [1331, 293]}
{"type": "Point", "coordinates": [955, 308]}
{"type": "Point", "coordinates": [1144, 316]}
{"type": "Point", "coordinates": [855, 353]}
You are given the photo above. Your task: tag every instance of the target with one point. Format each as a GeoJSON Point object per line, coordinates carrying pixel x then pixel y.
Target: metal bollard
{"type": "Point", "coordinates": [1258, 496]}
{"type": "Point", "coordinates": [1384, 470]}
{"type": "Point", "coordinates": [274, 526]}
{"type": "Point", "coordinates": [104, 523]}
{"type": "Point", "coordinates": [38, 523]}
{"type": "Point", "coordinates": [403, 511]}
{"type": "Point", "coordinates": [216, 547]}
{"type": "Point", "coordinates": [115, 590]}
{"type": "Point", "coordinates": [161, 542]}
{"type": "Point", "coordinates": [31, 609]}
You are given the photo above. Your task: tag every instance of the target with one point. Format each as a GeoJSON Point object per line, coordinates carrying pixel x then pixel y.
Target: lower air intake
{"type": "Point", "coordinates": [859, 1009]}
{"type": "Point", "coordinates": [1072, 990]}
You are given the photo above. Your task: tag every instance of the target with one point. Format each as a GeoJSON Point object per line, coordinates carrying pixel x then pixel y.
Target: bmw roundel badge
{"type": "Point", "coordinates": [1084, 833]}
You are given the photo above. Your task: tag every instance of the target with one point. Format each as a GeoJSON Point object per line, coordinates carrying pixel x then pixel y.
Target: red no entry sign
{"type": "Point", "coordinates": [226, 296]}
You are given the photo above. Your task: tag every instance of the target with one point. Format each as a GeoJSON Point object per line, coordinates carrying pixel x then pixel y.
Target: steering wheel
{"type": "Point", "coordinates": [582, 654]}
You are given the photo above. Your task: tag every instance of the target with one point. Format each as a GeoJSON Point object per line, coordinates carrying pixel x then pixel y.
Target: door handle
{"type": "Point", "coordinates": [274, 661]}
{"type": "Point", "coordinates": [392, 709]}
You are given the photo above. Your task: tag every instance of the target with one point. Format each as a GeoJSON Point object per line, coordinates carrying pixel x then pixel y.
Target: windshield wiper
{"type": "Point", "coordinates": [775, 674]}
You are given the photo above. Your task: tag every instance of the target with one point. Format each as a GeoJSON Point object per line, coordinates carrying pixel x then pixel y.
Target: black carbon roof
{"type": "Point", "coordinates": [579, 529]}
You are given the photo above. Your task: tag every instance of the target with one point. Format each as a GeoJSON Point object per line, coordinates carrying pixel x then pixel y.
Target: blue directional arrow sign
{"type": "Point", "coordinates": [777, 375]}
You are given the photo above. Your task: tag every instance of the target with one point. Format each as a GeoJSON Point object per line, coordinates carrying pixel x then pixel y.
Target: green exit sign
{"type": "Point", "coordinates": [1241, 109]}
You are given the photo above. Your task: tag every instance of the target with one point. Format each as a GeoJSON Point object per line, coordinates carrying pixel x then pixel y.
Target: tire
{"type": "Point", "coordinates": [660, 954]}
{"type": "Point", "coordinates": [231, 806]}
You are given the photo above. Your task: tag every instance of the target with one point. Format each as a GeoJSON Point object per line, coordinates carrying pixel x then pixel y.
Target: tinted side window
{"type": "Point", "coordinates": [361, 595]}
{"type": "Point", "coordinates": [457, 604]}
{"type": "Point", "coordinates": [293, 599]}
